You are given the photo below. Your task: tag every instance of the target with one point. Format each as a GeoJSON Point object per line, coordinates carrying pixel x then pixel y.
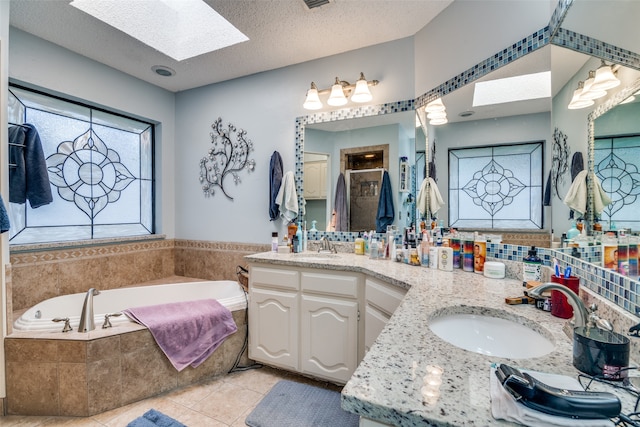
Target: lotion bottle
{"type": "Point", "coordinates": [531, 267]}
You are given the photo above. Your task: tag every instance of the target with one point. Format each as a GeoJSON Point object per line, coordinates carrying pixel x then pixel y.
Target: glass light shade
{"type": "Point", "coordinates": [312, 102]}
{"type": "Point", "coordinates": [437, 122]}
{"type": "Point", "coordinates": [361, 92]}
{"type": "Point", "coordinates": [605, 79]}
{"type": "Point", "coordinates": [434, 106]}
{"type": "Point", "coordinates": [337, 98]}
{"type": "Point", "coordinates": [588, 92]}
{"type": "Point", "coordinates": [437, 115]}
{"type": "Point", "coordinates": [577, 101]}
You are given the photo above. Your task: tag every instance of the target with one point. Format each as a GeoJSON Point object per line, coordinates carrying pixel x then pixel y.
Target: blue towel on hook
{"type": "Point", "coordinates": [386, 213]}
{"type": "Point", "coordinates": [275, 180]}
{"type": "Point", "coordinates": [28, 175]}
{"type": "Point", "coordinates": [4, 218]}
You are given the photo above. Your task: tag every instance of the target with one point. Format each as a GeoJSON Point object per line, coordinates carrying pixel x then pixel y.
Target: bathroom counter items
{"type": "Point", "coordinates": [390, 385]}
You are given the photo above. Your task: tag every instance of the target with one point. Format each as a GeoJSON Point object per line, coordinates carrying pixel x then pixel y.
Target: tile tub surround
{"type": "Point", "coordinates": [43, 272]}
{"type": "Point", "coordinates": [386, 386]}
{"type": "Point", "coordinates": [83, 374]}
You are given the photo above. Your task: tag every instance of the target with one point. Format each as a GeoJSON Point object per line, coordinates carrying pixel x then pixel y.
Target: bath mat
{"type": "Point", "coordinates": [292, 404]}
{"type": "Point", "coordinates": [153, 418]}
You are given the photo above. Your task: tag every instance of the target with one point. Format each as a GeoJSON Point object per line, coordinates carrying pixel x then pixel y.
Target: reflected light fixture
{"type": "Point", "coordinates": [339, 92]}
{"type": "Point", "coordinates": [438, 122]}
{"type": "Point", "coordinates": [434, 106]}
{"type": "Point", "coordinates": [436, 112]}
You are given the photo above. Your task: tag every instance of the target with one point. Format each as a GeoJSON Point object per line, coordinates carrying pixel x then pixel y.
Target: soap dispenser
{"type": "Point", "coordinates": [573, 232]}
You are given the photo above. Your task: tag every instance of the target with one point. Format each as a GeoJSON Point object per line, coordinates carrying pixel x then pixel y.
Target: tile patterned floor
{"type": "Point", "coordinates": [223, 401]}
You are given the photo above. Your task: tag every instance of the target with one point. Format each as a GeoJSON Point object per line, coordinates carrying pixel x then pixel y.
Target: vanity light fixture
{"type": "Point", "coordinates": [438, 122]}
{"type": "Point", "coordinates": [596, 86]}
{"type": "Point", "coordinates": [605, 78]}
{"type": "Point", "coordinates": [588, 91]}
{"type": "Point", "coordinates": [339, 92]}
{"type": "Point", "coordinates": [577, 101]}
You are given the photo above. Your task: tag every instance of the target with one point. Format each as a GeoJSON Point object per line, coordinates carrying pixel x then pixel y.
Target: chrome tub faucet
{"type": "Point", "coordinates": [87, 322]}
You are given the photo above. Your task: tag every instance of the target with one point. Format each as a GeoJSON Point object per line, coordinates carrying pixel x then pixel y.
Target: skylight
{"type": "Point", "coordinates": [511, 89]}
{"type": "Point", "coordinates": [180, 29]}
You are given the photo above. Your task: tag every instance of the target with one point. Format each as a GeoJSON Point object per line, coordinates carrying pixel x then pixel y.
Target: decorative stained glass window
{"type": "Point", "coordinates": [97, 164]}
{"type": "Point", "coordinates": [496, 187]}
{"type": "Point", "coordinates": [617, 166]}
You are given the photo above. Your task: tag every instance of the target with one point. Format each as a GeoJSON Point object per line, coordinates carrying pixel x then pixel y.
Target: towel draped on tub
{"type": "Point", "coordinates": [187, 332]}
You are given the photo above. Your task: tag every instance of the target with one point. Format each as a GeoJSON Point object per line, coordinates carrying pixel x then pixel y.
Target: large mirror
{"type": "Point", "coordinates": [360, 147]}
{"type": "Point", "coordinates": [603, 131]}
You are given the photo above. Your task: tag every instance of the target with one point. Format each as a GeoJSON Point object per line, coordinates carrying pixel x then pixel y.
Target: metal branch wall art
{"type": "Point", "coordinates": [560, 161]}
{"type": "Point", "coordinates": [229, 154]}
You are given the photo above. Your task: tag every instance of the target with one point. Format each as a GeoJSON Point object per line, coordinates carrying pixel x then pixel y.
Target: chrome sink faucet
{"type": "Point", "coordinates": [87, 322]}
{"type": "Point", "coordinates": [327, 246]}
{"type": "Point", "coordinates": [580, 313]}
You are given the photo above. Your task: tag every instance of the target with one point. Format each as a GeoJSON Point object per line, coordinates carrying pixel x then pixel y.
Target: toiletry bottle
{"type": "Point", "coordinates": [373, 248]}
{"type": "Point", "coordinates": [274, 241]}
{"type": "Point", "coordinates": [479, 254]}
{"type": "Point", "coordinates": [445, 258]}
{"type": "Point", "coordinates": [531, 266]}
{"type": "Point", "coordinates": [299, 236]}
{"type": "Point", "coordinates": [305, 237]}
{"type": "Point", "coordinates": [365, 237]}
{"type": "Point", "coordinates": [424, 246]}
{"type": "Point", "coordinates": [359, 246]}
{"type": "Point", "coordinates": [433, 257]}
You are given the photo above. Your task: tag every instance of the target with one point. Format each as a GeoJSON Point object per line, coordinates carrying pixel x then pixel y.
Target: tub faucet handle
{"type": "Point", "coordinates": [67, 325]}
{"type": "Point", "coordinates": [107, 322]}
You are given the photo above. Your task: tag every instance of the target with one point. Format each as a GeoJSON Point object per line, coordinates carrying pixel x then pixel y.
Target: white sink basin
{"type": "Point", "coordinates": [492, 336]}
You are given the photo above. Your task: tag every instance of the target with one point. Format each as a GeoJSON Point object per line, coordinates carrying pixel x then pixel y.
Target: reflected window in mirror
{"type": "Point", "coordinates": [617, 166]}
{"type": "Point", "coordinates": [496, 186]}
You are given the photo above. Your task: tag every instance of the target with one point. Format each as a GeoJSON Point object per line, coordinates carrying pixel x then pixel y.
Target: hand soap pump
{"type": "Point", "coordinates": [573, 232]}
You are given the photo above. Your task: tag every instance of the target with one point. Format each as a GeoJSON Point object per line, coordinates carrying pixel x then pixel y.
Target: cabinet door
{"type": "Point", "coordinates": [273, 327]}
{"type": "Point", "coordinates": [382, 299]}
{"type": "Point", "coordinates": [312, 182]}
{"type": "Point", "coordinates": [329, 337]}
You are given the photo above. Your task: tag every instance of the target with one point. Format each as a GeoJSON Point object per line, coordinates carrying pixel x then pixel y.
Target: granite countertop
{"type": "Point", "coordinates": [386, 386]}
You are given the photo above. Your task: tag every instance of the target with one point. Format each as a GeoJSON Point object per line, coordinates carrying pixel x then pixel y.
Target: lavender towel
{"type": "Point", "coordinates": [187, 332]}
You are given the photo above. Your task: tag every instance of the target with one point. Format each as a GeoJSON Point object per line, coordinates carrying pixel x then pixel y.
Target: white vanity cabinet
{"type": "Point", "coordinates": [275, 316]}
{"type": "Point", "coordinates": [329, 324]}
{"type": "Point", "coordinates": [312, 321]}
{"type": "Point", "coordinates": [381, 300]}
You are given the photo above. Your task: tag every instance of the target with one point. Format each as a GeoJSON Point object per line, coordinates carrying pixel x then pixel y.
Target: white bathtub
{"type": "Point", "coordinates": [39, 317]}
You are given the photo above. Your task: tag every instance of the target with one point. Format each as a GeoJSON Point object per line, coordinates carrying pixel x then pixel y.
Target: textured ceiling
{"type": "Point", "coordinates": [281, 33]}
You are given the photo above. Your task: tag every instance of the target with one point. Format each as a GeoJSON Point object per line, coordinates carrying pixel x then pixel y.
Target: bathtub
{"type": "Point", "coordinates": [40, 317]}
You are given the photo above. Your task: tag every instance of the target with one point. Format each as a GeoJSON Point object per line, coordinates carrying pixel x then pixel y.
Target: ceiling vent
{"type": "Point", "coordinates": [315, 3]}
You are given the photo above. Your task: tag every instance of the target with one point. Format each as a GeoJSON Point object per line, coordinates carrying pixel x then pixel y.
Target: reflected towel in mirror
{"type": "Point", "coordinates": [576, 198]}
{"type": "Point", "coordinates": [429, 187]}
{"type": "Point", "coordinates": [287, 198]}
{"type": "Point", "coordinates": [386, 213]}
{"type": "Point", "coordinates": [340, 218]}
